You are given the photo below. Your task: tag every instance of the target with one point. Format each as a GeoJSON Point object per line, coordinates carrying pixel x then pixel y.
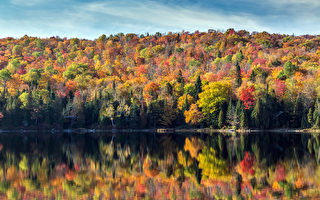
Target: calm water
{"type": "Point", "coordinates": [155, 166]}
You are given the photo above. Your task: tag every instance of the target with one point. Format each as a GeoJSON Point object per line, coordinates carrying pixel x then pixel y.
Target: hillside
{"type": "Point", "coordinates": [210, 79]}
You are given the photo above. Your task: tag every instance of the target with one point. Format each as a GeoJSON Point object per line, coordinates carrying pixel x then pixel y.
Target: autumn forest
{"type": "Point", "coordinates": [231, 79]}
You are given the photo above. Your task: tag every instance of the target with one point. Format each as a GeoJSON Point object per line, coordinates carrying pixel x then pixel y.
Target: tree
{"type": "Point", "coordinates": [180, 78]}
{"type": "Point", "coordinates": [14, 65]}
{"type": "Point", "coordinates": [238, 75]}
{"type": "Point", "coordinates": [110, 112]}
{"type": "Point", "coordinates": [316, 110]}
{"type": "Point", "coordinates": [193, 116]}
{"type": "Point", "coordinates": [213, 96]}
{"type": "Point", "coordinates": [310, 116]}
{"type": "Point", "coordinates": [221, 119]}
{"type": "Point", "coordinates": [17, 50]}
{"type": "Point", "coordinates": [246, 96]}
{"type": "Point", "coordinates": [237, 113]}
{"type": "Point", "coordinates": [243, 119]}
{"type": "Point", "coordinates": [5, 75]}
{"type": "Point", "coordinates": [317, 123]}
{"type": "Point", "coordinates": [257, 114]}
{"type": "Point", "coordinates": [230, 114]}
{"type": "Point", "coordinates": [185, 101]}
{"type": "Point", "coordinates": [33, 76]}
{"type": "Point", "coordinates": [198, 88]}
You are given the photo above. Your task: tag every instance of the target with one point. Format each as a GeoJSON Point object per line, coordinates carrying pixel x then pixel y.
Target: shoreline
{"type": "Point", "coordinates": [161, 130]}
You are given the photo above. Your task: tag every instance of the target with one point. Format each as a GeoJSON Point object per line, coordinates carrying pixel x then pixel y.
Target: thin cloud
{"type": "Point", "coordinates": [27, 2]}
{"type": "Point", "coordinates": [91, 19]}
{"type": "Point", "coordinates": [161, 15]}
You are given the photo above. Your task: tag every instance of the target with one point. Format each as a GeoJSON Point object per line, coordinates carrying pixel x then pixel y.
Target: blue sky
{"type": "Point", "coordinates": [92, 18]}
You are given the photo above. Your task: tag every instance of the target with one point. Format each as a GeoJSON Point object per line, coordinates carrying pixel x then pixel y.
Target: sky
{"type": "Point", "coordinates": [91, 18]}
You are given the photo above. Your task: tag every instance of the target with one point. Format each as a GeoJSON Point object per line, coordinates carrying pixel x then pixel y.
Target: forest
{"type": "Point", "coordinates": [232, 79]}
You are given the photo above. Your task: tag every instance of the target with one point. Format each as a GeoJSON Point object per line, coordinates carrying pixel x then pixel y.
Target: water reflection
{"type": "Point", "coordinates": [153, 166]}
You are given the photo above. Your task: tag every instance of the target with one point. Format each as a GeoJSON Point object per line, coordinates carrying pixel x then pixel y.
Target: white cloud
{"type": "Point", "coordinates": [170, 16]}
{"type": "Point", "coordinates": [91, 19]}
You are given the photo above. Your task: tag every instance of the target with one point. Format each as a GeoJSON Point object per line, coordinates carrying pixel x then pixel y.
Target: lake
{"type": "Point", "coordinates": [159, 166]}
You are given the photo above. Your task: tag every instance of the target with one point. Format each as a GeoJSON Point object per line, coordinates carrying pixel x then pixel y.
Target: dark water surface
{"type": "Point", "coordinates": [159, 166]}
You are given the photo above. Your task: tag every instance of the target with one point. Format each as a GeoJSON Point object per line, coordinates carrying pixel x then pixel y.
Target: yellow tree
{"type": "Point", "coordinates": [193, 116]}
{"type": "Point", "coordinates": [213, 96]}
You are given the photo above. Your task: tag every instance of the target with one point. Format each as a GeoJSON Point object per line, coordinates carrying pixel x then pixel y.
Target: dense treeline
{"type": "Point", "coordinates": [214, 79]}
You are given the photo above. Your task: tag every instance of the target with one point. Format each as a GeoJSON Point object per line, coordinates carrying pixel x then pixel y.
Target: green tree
{"type": "Point", "coordinates": [5, 75]}
{"type": "Point", "coordinates": [17, 50]}
{"type": "Point", "coordinates": [257, 114]}
{"type": "Point", "coordinates": [198, 88]}
{"type": "Point", "coordinates": [317, 123]}
{"type": "Point", "coordinates": [238, 75]}
{"type": "Point", "coordinates": [230, 113]}
{"type": "Point", "coordinates": [221, 119]}
{"type": "Point", "coordinates": [243, 119]}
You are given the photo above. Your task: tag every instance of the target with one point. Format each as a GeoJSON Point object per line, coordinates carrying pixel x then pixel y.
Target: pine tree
{"type": "Point", "coordinates": [230, 114]}
{"type": "Point", "coordinates": [304, 121]}
{"type": "Point", "coordinates": [257, 114]}
{"type": "Point", "coordinates": [198, 89]}
{"type": "Point", "coordinates": [267, 114]}
{"type": "Point", "coordinates": [180, 78]}
{"type": "Point", "coordinates": [186, 104]}
{"type": "Point", "coordinates": [252, 76]}
{"type": "Point", "coordinates": [243, 119]}
{"type": "Point", "coordinates": [316, 110]}
{"type": "Point", "coordinates": [238, 75]}
{"type": "Point", "coordinates": [310, 116]}
{"type": "Point", "coordinates": [48, 86]}
{"type": "Point", "coordinates": [221, 119]}
{"type": "Point", "coordinates": [317, 123]}
{"type": "Point", "coordinates": [237, 113]}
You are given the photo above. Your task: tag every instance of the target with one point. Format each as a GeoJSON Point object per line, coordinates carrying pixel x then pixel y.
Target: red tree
{"type": "Point", "coordinates": [246, 97]}
{"type": "Point", "coordinates": [280, 88]}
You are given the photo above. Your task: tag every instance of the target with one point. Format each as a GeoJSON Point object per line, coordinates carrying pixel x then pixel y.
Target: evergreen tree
{"type": "Point", "coordinates": [186, 104]}
{"type": "Point", "coordinates": [310, 116]}
{"type": "Point", "coordinates": [243, 119]}
{"type": "Point", "coordinates": [134, 116]}
{"type": "Point", "coordinates": [257, 114]}
{"type": "Point", "coordinates": [317, 123]}
{"type": "Point", "coordinates": [238, 75]}
{"type": "Point", "coordinates": [237, 113]}
{"type": "Point", "coordinates": [221, 119]}
{"type": "Point", "coordinates": [169, 88]}
{"type": "Point", "coordinates": [316, 110]}
{"type": "Point", "coordinates": [48, 86]}
{"type": "Point", "coordinates": [252, 76]}
{"type": "Point", "coordinates": [230, 114]}
{"type": "Point", "coordinates": [180, 78]}
{"type": "Point", "coordinates": [304, 121]}
{"type": "Point", "coordinates": [198, 86]}
{"type": "Point", "coordinates": [265, 117]}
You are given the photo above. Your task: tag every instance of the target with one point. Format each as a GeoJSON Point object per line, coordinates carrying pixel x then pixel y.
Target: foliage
{"type": "Point", "coordinates": [193, 115]}
{"type": "Point", "coordinates": [161, 75]}
{"type": "Point", "coordinates": [213, 96]}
